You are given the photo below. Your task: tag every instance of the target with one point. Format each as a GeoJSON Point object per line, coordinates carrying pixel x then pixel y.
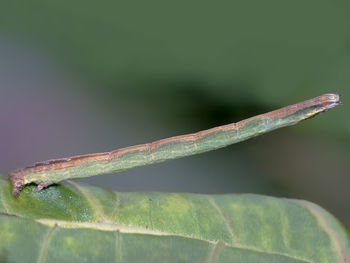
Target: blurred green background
{"type": "Point", "coordinates": [89, 76]}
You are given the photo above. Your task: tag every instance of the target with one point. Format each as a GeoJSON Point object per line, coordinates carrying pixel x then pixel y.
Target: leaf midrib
{"type": "Point", "coordinates": [112, 227]}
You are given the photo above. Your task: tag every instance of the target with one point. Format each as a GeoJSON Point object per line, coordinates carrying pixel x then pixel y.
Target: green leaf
{"type": "Point", "coordinates": [83, 223]}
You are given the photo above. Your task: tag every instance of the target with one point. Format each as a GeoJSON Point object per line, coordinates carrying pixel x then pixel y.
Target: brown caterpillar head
{"type": "Point", "coordinates": [17, 180]}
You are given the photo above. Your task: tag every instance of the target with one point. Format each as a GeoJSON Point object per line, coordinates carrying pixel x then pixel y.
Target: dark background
{"type": "Point", "coordinates": [89, 76]}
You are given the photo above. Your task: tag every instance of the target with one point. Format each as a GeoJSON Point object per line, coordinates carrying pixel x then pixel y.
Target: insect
{"type": "Point", "coordinates": [56, 170]}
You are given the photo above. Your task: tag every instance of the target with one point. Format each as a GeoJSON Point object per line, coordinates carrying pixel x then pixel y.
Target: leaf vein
{"type": "Point", "coordinates": [117, 206]}
{"type": "Point", "coordinates": [215, 252]}
{"type": "Point", "coordinates": [92, 201]}
{"type": "Point", "coordinates": [44, 248]}
{"type": "Point", "coordinates": [324, 225]}
{"type": "Point", "coordinates": [117, 247]}
{"type": "Point", "coordinates": [225, 219]}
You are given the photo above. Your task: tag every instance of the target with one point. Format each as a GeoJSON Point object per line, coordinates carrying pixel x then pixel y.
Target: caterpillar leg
{"type": "Point", "coordinates": [42, 185]}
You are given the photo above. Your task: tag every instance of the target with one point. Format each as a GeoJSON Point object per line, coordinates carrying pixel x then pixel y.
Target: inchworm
{"type": "Point", "coordinates": [56, 170]}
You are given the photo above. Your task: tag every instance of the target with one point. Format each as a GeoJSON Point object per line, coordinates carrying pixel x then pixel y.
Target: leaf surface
{"type": "Point", "coordinates": [82, 223]}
